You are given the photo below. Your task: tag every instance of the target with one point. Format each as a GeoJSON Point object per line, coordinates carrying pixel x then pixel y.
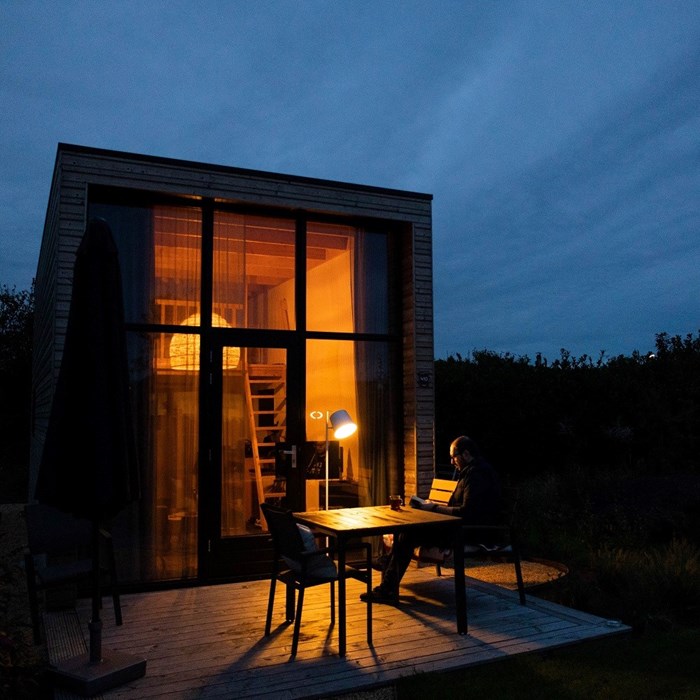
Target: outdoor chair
{"type": "Point", "coordinates": [501, 540]}
{"type": "Point", "coordinates": [481, 542]}
{"type": "Point", "coordinates": [300, 564]}
{"type": "Point", "coordinates": [59, 553]}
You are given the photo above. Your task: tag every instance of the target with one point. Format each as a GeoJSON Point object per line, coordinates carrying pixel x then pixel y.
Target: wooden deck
{"type": "Point", "coordinates": [208, 642]}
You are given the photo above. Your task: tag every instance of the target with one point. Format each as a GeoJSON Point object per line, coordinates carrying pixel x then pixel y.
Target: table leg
{"type": "Point", "coordinates": [341, 596]}
{"type": "Point", "coordinates": [460, 583]}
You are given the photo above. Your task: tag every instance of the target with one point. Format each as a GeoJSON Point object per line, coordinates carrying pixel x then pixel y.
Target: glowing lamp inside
{"type": "Point", "coordinates": [184, 347]}
{"type": "Point", "coordinates": [343, 426]}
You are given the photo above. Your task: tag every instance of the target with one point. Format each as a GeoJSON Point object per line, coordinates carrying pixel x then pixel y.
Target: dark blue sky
{"type": "Point", "coordinates": [561, 140]}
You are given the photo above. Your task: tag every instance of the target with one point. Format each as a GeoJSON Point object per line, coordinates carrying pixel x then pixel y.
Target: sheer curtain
{"type": "Point", "coordinates": [173, 395]}
{"type": "Point", "coordinates": [254, 270]}
{"type": "Point", "coordinates": [160, 259]}
{"type": "Point", "coordinates": [377, 390]}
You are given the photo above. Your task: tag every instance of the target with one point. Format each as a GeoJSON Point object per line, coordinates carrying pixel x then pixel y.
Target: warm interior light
{"type": "Point", "coordinates": [184, 347]}
{"type": "Point", "coordinates": [343, 426]}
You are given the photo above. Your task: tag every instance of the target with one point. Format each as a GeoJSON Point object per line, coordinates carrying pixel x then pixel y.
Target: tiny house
{"type": "Point", "coordinates": [257, 304]}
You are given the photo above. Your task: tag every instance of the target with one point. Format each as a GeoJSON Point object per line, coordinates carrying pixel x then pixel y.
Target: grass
{"type": "Point", "coordinates": [648, 665]}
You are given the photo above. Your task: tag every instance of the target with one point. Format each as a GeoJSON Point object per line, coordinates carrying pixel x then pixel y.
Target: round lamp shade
{"type": "Point", "coordinates": [343, 426]}
{"type": "Point", "coordinates": [184, 347]}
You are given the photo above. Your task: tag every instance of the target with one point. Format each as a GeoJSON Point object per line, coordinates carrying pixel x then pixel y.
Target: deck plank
{"type": "Point", "coordinates": [207, 642]}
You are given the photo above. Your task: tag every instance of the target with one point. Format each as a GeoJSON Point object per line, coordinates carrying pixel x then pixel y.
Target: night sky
{"type": "Point", "coordinates": [560, 140]}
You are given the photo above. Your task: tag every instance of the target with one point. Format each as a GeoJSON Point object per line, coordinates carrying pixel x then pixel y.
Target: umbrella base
{"type": "Point", "coordinates": [87, 678]}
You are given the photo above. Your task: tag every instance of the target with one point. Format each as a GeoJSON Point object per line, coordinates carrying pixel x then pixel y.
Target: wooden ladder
{"type": "Point", "coordinates": [266, 399]}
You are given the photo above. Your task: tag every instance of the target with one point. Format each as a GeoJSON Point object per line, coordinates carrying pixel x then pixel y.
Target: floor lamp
{"type": "Point", "coordinates": [342, 426]}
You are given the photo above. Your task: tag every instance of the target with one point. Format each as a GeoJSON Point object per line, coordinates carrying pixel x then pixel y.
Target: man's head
{"type": "Point", "coordinates": [463, 451]}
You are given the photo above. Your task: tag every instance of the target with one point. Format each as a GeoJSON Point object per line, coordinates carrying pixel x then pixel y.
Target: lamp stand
{"type": "Point", "coordinates": [327, 461]}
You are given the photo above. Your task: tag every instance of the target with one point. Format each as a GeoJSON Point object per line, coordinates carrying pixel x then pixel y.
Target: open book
{"type": "Point", "coordinates": [417, 501]}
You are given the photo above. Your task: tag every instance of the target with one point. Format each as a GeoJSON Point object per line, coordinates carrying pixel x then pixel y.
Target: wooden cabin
{"type": "Point", "coordinates": [257, 304]}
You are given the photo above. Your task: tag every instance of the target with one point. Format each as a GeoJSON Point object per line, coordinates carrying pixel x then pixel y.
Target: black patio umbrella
{"type": "Point", "coordinates": [89, 466]}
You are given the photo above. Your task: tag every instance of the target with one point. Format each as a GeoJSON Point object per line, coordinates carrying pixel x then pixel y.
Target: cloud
{"type": "Point", "coordinates": [559, 139]}
{"type": "Point", "coordinates": [587, 237]}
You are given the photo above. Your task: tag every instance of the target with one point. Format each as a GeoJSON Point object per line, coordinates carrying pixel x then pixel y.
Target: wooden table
{"type": "Point", "coordinates": [345, 524]}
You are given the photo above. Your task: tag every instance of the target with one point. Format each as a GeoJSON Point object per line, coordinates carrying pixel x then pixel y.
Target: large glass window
{"type": "Point", "coordinates": [254, 271]}
{"type": "Point", "coordinates": [253, 422]}
{"type": "Point", "coordinates": [348, 280]}
{"type": "Point", "coordinates": [166, 413]}
{"type": "Point", "coordinates": [160, 256]}
{"type": "Point", "coordinates": [361, 378]}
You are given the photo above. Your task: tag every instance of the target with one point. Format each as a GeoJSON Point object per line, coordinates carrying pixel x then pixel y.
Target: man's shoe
{"type": "Point", "coordinates": [379, 595]}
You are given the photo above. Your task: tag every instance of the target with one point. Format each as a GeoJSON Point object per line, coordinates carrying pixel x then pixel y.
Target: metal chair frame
{"type": "Point", "coordinates": [289, 547]}
{"type": "Point", "coordinates": [59, 553]}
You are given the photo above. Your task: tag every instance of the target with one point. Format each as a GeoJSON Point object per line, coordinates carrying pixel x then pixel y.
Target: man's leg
{"type": "Point", "coordinates": [401, 552]}
{"type": "Point", "coordinates": [400, 558]}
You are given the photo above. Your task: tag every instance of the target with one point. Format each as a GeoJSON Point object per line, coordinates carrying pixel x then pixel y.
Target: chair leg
{"type": "Point", "coordinates": [33, 596]}
{"type": "Point", "coordinates": [297, 622]}
{"type": "Point", "coordinates": [289, 603]}
{"type": "Point", "coordinates": [270, 604]}
{"type": "Point", "coordinates": [519, 577]}
{"type": "Point", "coordinates": [114, 583]}
{"type": "Point", "coordinates": [369, 595]}
{"type": "Point", "coordinates": [332, 584]}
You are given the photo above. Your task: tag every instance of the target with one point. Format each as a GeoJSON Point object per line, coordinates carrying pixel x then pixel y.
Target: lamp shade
{"type": "Point", "coordinates": [184, 347]}
{"type": "Point", "coordinates": [343, 426]}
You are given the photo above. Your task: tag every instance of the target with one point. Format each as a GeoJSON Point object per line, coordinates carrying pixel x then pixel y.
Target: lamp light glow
{"type": "Point", "coordinates": [184, 347]}
{"type": "Point", "coordinates": [342, 426]}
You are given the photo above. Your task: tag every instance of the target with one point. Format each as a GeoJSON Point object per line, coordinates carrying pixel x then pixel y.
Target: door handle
{"type": "Point", "coordinates": [292, 451]}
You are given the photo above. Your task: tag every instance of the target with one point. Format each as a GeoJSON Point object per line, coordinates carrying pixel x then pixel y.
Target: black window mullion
{"type": "Point", "coordinates": [209, 410]}
{"type": "Point", "coordinates": [300, 274]}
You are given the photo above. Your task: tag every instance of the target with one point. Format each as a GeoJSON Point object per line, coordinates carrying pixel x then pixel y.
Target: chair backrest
{"type": "Point", "coordinates": [51, 531]}
{"type": "Point", "coordinates": [286, 537]}
{"type": "Point", "coordinates": [441, 490]}
{"type": "Point", "coordinates": [509, 502]}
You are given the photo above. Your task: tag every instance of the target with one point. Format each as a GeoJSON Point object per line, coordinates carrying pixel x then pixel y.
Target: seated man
{"type": "Point", "coordinates": [476, 499]}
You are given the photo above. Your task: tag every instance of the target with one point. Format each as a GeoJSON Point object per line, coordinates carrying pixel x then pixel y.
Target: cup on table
{"type": "Point", "coordinates": [395, 502]}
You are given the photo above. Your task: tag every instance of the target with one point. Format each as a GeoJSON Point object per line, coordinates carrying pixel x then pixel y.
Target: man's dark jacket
{"type": "Point", "coordinates": [477, 496]}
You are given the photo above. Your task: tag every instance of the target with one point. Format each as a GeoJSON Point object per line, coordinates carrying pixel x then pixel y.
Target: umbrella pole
{"type": "Point", "coordinates": [91, 673]}
{"type": "Point", "coordinates": [95, 625]}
